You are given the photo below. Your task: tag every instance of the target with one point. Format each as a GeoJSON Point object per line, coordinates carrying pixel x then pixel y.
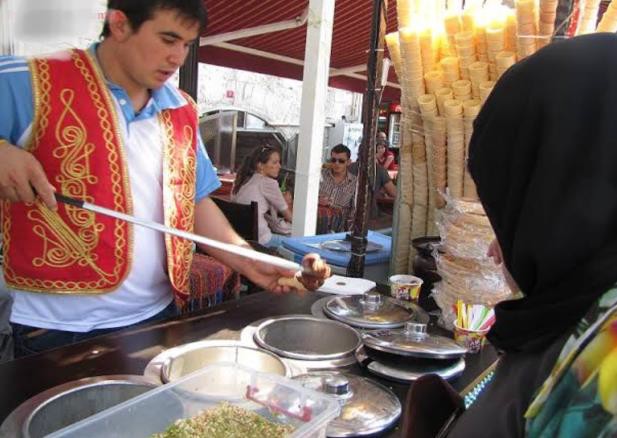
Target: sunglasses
{"type": "Point", "coordinates": [338, 160]}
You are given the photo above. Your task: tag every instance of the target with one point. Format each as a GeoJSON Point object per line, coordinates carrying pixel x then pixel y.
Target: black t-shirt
{"type": "Point", "coordinates": [382, 177]}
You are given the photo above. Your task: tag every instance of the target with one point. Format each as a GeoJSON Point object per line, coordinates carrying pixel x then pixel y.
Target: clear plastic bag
{"type": "Point", "coordinates": [467, 272]}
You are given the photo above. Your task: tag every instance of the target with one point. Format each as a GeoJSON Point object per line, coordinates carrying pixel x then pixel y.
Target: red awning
{"type": "Point", "coordinates": [350, 40]}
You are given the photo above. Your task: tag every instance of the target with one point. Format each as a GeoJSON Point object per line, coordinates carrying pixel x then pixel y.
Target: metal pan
{"type": "Point", "coordinates": [71, 402]}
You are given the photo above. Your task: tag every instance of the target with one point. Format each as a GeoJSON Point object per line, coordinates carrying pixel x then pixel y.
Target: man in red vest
{"type": "Point", "coordinates": [104, 125]}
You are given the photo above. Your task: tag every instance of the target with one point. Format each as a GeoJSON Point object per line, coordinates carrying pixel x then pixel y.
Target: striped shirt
{"type": "Point", "coordinates": [341, 194]}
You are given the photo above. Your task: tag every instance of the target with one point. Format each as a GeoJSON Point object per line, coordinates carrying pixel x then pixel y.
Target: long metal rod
{"type": "Point", "coordinates": [227, 247]}
{"type": "Point", "coordinates": [299, 21]}
{"type": "Point", "coordinates": [294, 61]}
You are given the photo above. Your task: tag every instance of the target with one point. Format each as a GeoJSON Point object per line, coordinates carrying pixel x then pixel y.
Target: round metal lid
{"type": "Point", "coordinates": [413, 340]}
{"type": "Point", "coordinates": [367, 407]}
{"type": "Point", "coordinates": [345, 246]}
{"type": "Point", "coordinates": [307, 338]}
{"type": "Point", "coordinates": [409, 371]}
{"type": "Point", "coordinates": [317, 307]}
{"type": "Point", "coordinates": [371, 310]}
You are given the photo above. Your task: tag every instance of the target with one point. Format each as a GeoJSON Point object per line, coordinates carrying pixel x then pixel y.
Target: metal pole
{"type": "Point", "coordinates": [7, 38]}
{"type": "Point", "coordinates": [366, 156]}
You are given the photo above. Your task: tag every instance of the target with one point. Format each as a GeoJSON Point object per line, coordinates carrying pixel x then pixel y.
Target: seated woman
{"type": "Point", "coordinates": [384, 156]}
{"type": "Point", "coordinates": [256, 181]}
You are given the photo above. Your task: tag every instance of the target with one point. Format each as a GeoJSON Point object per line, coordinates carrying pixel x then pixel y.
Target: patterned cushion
{"type": "Point", "coordinates": [212, 282]}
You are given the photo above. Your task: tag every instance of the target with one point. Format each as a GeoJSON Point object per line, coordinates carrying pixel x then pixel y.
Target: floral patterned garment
{"type": "Point", "coordinates": [579, 398]}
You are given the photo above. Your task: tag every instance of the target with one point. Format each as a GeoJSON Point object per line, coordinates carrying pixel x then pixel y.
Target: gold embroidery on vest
{"type": "Point", "coordinates": [41, 86]}
{"type": "Point", "coordinates": [77, 245]}
{"type": "Point", "coordinates": [61, 246]}
{"type": "Point", "coordinates": [6, 231]}
{"type": "Point", "coordinates": [119, 165]}
{"type": "Point", "coordinates": [179, 169]}
{"type": "Point", "coordinates": [74, 152]}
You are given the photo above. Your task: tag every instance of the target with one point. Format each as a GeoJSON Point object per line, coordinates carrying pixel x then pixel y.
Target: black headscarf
{"type": "Point", "coordinates": [544, 159]}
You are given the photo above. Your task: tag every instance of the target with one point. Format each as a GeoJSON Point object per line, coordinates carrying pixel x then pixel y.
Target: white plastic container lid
{"type": "Point", "coordinates": [307, 411]}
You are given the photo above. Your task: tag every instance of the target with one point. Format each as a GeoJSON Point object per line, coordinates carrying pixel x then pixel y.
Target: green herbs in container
{"type": "Point", "coordinates": [226, 421]}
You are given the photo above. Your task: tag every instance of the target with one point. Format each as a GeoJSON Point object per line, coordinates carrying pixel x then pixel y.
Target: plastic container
{"type": "Point", "coordinates": [275, 398]}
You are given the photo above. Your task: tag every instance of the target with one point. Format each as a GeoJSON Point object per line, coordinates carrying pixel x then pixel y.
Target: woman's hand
{"type": "Point", "coordinates": [389, 160]}
{"type": "Point", "coordinates": [494, 252]}
{"type": "Point", "coordinates": [288, 197]}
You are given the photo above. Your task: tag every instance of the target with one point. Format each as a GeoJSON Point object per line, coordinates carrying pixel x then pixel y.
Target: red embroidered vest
{"type": "Point", "coordinates": [75, 137]}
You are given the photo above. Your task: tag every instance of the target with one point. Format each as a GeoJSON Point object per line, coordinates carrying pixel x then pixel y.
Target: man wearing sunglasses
{"type": "Point", "coordinates": [337, 188]}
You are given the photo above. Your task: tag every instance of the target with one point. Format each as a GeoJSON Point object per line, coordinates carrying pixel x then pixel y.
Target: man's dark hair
{"type": "Point", "coordinates": [341, 149]}
{"type": "Point", "coordinates": [139, 11]}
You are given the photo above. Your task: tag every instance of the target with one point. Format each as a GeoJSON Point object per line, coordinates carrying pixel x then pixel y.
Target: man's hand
{"type": "Point", "coordinates": [210, 222]}
{"type": "Point", "coordinates": [270, 277]}
{"type": "Point", "coordinates": [319, 271]}
{"type": "Point", "coordinates": [324, 201]}
{"type": "Point", "coordinates": [22, 177]}
{"type": "Point", "coordinates": [267, 276]}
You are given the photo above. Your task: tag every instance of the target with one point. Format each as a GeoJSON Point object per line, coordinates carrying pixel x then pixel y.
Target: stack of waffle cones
{"type": "Point", "coordinates": [448, 61]}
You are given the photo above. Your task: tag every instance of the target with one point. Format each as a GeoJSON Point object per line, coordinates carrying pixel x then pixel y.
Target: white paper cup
{"type": "Point", "coordinates": [405, 287]}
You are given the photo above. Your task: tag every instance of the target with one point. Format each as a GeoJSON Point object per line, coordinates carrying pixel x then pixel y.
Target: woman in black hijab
{"type": "Point", "coordinates": [544, 159]}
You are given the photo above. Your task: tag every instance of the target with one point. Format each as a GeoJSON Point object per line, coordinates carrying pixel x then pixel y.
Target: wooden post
{"type": "Point", "coordinates": [189, 72]}
{"type": "Point", "coordinates": [366, 155]}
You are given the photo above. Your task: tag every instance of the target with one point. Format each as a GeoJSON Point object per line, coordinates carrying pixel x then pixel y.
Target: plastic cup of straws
{"type": "Point", "coordinates": [472, 340]}
{"type": "Point", "coordinates": [473, 321]}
